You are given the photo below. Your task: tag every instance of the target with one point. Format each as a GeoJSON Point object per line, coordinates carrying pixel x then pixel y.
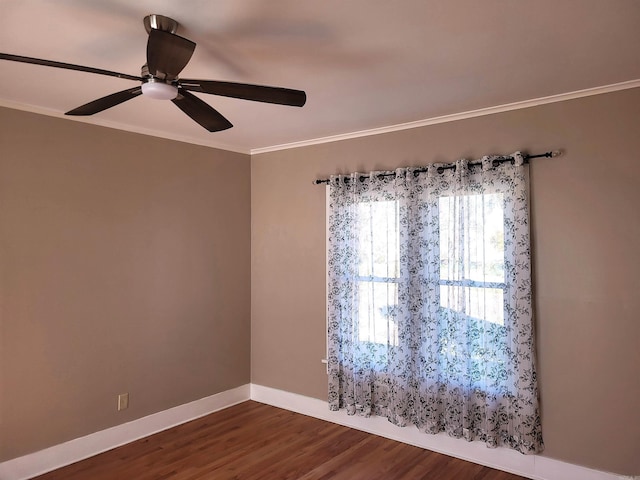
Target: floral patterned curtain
{"type": "Point", "coordinates": [429, 301]}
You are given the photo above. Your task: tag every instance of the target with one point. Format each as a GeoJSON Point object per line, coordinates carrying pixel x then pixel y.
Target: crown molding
{"type": "Point", "coordinates": [118, 126]}
{"type": "Point", "coordinates": [456, 116]}
{"type": "Point", "coordinates": [587, 92]}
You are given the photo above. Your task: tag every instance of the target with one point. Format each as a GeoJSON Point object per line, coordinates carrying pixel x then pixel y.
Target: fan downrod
{"type": "Point", "coordinates": [160, 22]}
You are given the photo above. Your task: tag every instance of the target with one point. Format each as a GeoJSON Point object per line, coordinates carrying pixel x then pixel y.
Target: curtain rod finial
{"type": "Point", "coordinates": [556, 153]}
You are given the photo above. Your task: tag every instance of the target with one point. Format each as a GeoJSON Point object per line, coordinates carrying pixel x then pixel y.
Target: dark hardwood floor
{"type": "Point", "coordinates": [256, 441]}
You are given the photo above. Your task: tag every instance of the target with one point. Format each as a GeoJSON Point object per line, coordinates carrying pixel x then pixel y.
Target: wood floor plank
{"type": "Point", "coordinates": [253, 441]}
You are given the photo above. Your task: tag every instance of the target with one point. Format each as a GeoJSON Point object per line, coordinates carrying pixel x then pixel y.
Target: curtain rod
{"type": "Point", "coordinates": [496, 161]}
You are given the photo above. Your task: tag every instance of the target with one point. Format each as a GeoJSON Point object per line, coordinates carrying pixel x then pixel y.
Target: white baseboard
{"type": "Point", "coordinates": [537, 467]}
{"type": "Point", "coordinates": [49, 459]}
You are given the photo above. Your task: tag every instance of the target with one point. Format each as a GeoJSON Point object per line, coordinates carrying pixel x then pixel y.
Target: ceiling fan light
{"type": "Point", "coordinates": [159, 90]}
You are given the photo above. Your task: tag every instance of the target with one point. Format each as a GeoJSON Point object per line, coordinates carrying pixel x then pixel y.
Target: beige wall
{"type": "Point", "coordinates": [586, 244]}
{"type": "Point", "coordinates": [124, 268]}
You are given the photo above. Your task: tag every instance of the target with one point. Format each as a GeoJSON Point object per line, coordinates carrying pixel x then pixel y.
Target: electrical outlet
{"type": "Point", "coordinates": [123, 401]}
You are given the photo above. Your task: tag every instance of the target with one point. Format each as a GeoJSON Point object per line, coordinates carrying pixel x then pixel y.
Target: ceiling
{"type": "Point", "coordinates": [365, 65]}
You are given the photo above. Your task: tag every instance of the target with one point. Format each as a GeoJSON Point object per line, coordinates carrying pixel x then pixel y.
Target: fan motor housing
{"type": "Point", "coordinates": [157, 88]}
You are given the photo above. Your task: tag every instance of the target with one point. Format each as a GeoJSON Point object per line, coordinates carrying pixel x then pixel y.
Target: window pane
{"type": "Point", "coordinates": [477, 302]}
{"type": "Point", "coordinates": [376, 313]}
{"type": "Point", "coordinates": [472, 237]}
{"type": "Point", "coordinates": [378, 239]}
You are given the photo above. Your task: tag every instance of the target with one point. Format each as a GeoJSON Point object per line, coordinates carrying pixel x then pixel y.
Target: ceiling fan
{"type": "Point", "coordinates": [167, 55]}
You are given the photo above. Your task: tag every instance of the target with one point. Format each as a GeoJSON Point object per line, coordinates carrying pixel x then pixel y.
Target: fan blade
{"type": "Point", "coordinates": [245, 91]}
{"type": "Point", "coordinates": [201, 112]}
{"type": "Point", "coordinates": [106, 102]}
{"type": "Point", "coordinates": [167, 53]}
{"type": "Point", "coordinates": [67, 66]}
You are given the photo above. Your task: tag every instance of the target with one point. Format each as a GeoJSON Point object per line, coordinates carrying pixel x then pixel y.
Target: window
{"type": "Point", "coordinates": [472, 281]}
{"type": "Point", "coordinates": [429, 301]}
{"type": "Point", "coordinates": [472, 285]}
{"type": "Point", "coordinates": [378, 271]}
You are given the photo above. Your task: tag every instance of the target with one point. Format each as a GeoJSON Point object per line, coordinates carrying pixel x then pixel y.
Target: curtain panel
{"type": "Point", "coordinates": [429, 301]}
